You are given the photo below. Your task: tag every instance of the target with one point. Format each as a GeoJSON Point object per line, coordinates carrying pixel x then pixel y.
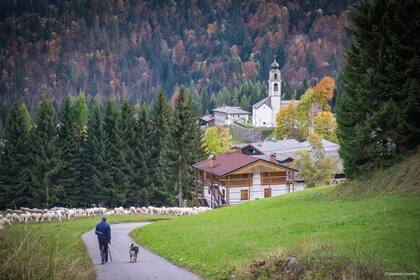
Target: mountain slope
{"type": "Point", "coordinates": [129, 49]}
{"type": "Point", "coordinates": [332, 231]}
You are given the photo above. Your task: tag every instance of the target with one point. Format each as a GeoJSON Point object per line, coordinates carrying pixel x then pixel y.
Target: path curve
{"type": "Point", "coordinates": [148, 266]}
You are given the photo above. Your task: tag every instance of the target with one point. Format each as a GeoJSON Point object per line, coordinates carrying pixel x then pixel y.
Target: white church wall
{"type": "Point", "coordinates": [262, 116]}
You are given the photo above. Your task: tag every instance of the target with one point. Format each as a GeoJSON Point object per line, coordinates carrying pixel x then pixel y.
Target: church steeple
{"type": "Point", "coordinates": [274, 80]}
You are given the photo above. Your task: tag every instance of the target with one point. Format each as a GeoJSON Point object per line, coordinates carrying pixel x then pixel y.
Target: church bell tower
{"type": "Point", "coordinates": [274, 89]}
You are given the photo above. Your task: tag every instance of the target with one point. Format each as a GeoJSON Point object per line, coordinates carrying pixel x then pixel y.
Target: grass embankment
{"type": "Point", "coordinates": [52, 250]}
{"type": "Point", "coordinates": [352, 228]}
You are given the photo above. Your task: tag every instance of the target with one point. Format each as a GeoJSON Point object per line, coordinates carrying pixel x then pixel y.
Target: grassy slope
{"type": "Point", "coordinates": [59, 243]}
{"type": "Point", "coordinates": [377, 229]}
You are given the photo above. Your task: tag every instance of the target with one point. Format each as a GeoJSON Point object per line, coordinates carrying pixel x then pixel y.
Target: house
{"type": "Point", "coordinates": [286, 151]}
{"type": "Point", "coordinates": [264, 112]}
{"type": "Point", "coordinates": [227, 115]}
{"type": "Point", "coordinates": [233, 177]}
{"type": "Point", "coordinates": [206, 121]}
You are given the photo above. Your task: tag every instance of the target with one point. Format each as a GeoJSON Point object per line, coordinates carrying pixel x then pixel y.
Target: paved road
{"type": "Point", "coordinates": [148, 266]}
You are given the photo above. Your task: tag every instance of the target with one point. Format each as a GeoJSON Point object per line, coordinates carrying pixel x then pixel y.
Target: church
{"type": "Point", "coordinates": [264, 112]}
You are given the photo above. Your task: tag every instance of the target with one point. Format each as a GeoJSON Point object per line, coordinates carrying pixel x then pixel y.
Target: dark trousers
{"type": "Point", "coordinates": [103, 248]}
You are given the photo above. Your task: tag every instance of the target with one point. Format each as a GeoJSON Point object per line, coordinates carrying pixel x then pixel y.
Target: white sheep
{"type": "Point", "coordinates": [5, 221]}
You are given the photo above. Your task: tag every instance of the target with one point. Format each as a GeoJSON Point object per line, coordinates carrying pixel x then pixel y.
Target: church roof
{"type": "Point", "coordinates": [266, 100]}
{"type": "Point", "coordinates": [275, 64]}
{"type": "Point", "coordinates": [229, 110]}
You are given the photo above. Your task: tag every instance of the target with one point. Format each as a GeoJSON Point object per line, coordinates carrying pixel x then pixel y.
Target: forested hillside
{"type": "Point", "coordinates": [130, 49]}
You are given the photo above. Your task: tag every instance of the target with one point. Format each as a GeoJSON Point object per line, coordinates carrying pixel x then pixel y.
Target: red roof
{"type": "Point", "coordinates": [225, 163]}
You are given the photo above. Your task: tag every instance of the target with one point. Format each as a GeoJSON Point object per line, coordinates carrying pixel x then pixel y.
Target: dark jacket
{"type": "Point", "coordinates": [103, 231]}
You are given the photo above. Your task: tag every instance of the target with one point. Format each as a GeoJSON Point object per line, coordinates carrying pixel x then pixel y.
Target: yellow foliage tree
{"type": "Point", "coordinates": [288, 124]}
{"type": "Point", "coordinates": [218, 139]}
{"type": "Point", "coordinates": [324, 91]}
{"type": "Point", "coordinates": [325, 126]}
{"type": "Point", "coordinates": [314, 167]}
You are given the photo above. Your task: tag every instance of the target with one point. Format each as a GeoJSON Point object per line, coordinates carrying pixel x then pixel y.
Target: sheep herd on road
{"type": "Point", "coordinates": [57, 214]}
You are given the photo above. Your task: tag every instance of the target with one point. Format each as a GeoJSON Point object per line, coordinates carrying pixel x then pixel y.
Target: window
{"type": "Point", "coordinates": [244, 194]}
{"type": "Point", "coordinates": [267, 192]}
{"type": "Point", "coordinates": [275, 76]}
{"type": "Point", "coordinates": [276, 87]}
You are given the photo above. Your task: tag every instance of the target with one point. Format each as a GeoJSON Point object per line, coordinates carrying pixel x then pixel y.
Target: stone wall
{"type": "Point", "coordinates": [248, 134]}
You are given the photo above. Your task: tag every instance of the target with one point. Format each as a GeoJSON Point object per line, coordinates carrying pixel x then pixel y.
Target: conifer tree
{"type": "Point", "coordinates": [46, 155]}
{"type": "Point", "coordinates": [81, 112]}
{"type": "Point", "coordinates": [69, 144]}
{"type": "Point", "coordinates": [180, 157]}
{"type": "Point", "coordinates": [116, 178]}
{"type": "Point", "coordinates": [142, 180]}
{"type": "Point", "coordinates": [93, 159]}
{"type": "Point", "coordinates": [16, 188]}
{"type": "Point", "coordinates": [159, 117]}
{"type": "Point", "coordinates": [133, 148]}
{"type": "Point", "coordinates": [378, 111]}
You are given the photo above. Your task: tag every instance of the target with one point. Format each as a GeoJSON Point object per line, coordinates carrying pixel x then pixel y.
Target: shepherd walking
{"type": "Point", "coordinates": [103, 231]}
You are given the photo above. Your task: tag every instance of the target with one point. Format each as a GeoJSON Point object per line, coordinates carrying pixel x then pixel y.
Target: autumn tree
{"type": "Point", "coordinates": [218, 139]}
{"type": "Point", "coordinates": [314, 167]}
{"type": "Point", "coordinates": [324, 91]}
{"type": "Point", "coordinates": [325, 126]}
{"type": "Point", "coordinates": [288, 124]}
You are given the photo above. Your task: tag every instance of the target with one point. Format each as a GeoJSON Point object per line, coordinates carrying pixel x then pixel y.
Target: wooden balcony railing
{"type": "Point", "coordinates": [274, 180]}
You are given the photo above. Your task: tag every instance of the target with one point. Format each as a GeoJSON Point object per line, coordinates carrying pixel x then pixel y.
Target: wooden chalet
{"type": "Point", "coordinates": [232, 177]}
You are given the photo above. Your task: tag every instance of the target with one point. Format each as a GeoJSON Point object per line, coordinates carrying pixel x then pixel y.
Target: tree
{"type": "Point", "coordinates": [47, 164]}
{"type": "Point", "coordinates": [68, 143]}
{"type": "Point", "coordinates": [93, 159]}
{"type": "Point", "coordinates": [325, 126]}
{"type": "Point", "coordinates": [378, 110]}
{"type": "Point", "coordinates": [314, 167]}
{"type": "Point", "coordinates": [324, 92]}
{"type": "Point", "coordinates": [159, 118]}
{"type": "Point", "coordinates": [116, 173]}
{"type": "Point", "coordinates": [81, 112]}
{"type": "Point", "coordinates": [218, 139]}
{"type": "Point", "coordinates": [179, 158]}
{"type": "Point", "coordinates": [16, 187]}
{"type": "Point", "coordinates": [287, 123]}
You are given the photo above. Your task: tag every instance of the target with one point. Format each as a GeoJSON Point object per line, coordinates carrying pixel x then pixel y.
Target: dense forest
{"type": "Point", "coordinates": [129, 49]}
{"type": "Point", "coordinates": [113, 154]}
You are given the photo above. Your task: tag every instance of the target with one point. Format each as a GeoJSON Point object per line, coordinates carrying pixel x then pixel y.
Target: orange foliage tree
{"type": "Point", "coordinates": [324, 91]}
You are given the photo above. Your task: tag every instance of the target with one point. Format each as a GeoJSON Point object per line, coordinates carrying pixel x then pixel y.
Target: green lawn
{"type": "Point", "coordinates": [382, 230]}
{"type": "Point", "coordinates": [52, 250]}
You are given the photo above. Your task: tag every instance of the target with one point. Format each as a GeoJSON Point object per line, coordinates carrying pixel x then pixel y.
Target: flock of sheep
{"type": "Point", "coordinates": [57, 214]}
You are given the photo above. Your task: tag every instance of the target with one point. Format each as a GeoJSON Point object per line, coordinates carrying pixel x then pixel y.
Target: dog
{"type": "Point", "coordinates": [133, 251]}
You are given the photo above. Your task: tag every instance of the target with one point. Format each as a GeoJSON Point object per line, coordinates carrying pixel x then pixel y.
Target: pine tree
{"type": "Point", "coordinates": [378, 110]}
{"type": "Point", "coordinates": [16, 188]}
{"type": "Point", "coordinates": [133, 148]}
{"type": "Point", "coordinates": [46, 155]}
{"type": "Point", "coordinates": [159, 117]}
{"type": "Point", "coordinates": [116, 174]}
{"type": "Point", "coordinates": [142, 180]}
{"type": "Point", "coordinates": [81, 112]}
{"type": "Point", "coordinates": [179, 158]}
{"type": "Point", "coordinates": [93, 159]}
{"type": "Point", "coordinates": [69, 144]}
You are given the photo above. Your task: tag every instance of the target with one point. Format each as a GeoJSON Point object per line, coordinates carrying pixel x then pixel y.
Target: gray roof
{"type": "Point", "coordinates": [288, 148]}
{"type": "Point", "coordinates": [207, 118]}
{"type": "Point", "coordinates": [266, 100]}
{"type": "Point", "coordinates": [231, 110]}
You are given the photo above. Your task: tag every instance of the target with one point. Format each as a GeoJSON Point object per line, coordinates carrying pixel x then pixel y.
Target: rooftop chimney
{"type": "Point", "coordinates": [273, 157]}
{"type": "Point", "coordinates": [212, 162]}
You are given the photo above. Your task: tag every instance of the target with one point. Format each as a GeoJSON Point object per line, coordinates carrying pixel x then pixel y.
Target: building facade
{"type": "Point", "coordinates": [232, 178]}
{"type": "Point", "coordinates": [227, 115]}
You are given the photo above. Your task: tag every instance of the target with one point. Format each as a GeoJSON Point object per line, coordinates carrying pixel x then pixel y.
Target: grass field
{"type": "Point", "coordinates": [328, 228]}
{"type": "Point", "coordinates": [52, 250]}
